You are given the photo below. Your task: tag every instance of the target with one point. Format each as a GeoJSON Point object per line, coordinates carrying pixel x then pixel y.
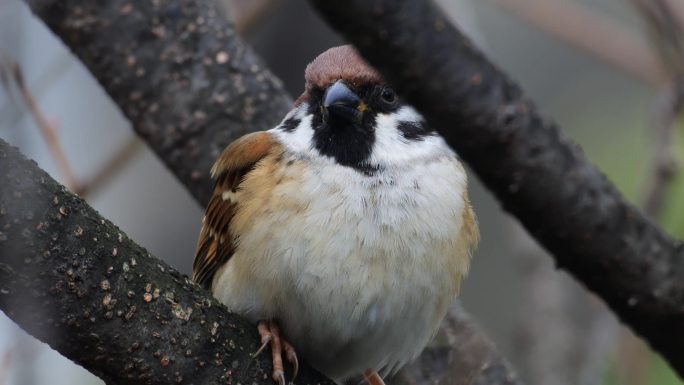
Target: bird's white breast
{"type": "Point", "coordinates": [358, 270]}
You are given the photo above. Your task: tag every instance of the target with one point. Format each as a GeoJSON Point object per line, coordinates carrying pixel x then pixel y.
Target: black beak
{"type": "Point", "coordinates": [342, 104]}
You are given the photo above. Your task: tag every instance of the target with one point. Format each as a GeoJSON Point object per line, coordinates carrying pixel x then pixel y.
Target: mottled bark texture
{"type": "Point", "coordinates": [76, 281]}
{"type": "Point", "coordinates": [178, 71]}
{"type": "Point", "coordinates": [536, 173]}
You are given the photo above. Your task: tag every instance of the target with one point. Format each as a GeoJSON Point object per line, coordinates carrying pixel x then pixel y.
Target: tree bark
{"type": "Point", "coordinates": [179, 73]}
{"type": "Point", "coordinates": [537, 174]}
{"type": "Point", "coordinates": [74, 280]}
{"type": "Point", "coordinates": [458, 355]}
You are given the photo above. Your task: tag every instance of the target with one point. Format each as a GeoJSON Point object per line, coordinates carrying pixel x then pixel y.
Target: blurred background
{"type": "Point", "coordinates": [608, 71]}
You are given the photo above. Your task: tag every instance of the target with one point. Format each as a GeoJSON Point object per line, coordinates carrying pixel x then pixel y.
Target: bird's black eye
{"type": "Point", "coordinates": [388, 96]}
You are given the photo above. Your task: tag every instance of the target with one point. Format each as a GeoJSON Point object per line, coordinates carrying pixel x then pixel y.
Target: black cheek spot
{"type": "Point", "coordinates": [414, 130]}
{"type": "Point", "coordinates": [290, 124]}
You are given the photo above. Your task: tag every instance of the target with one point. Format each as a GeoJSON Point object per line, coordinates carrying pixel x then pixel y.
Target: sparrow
{"type": "Point", "coordinates": [344, 231]}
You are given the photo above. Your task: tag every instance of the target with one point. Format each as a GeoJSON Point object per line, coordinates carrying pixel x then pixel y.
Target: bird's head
{"type": "Point", "coordinates": [349, 114]}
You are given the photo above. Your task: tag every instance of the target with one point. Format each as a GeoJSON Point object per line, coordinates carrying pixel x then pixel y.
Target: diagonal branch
{"type": "Point", "coordinates": [74, 280]}
{"type": "Point", "coordinates": [538, 175]}
{"type": "Point", "coordinates": [177, 70]}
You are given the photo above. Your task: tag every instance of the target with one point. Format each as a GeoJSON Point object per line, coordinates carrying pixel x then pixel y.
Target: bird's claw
{"type": "Point", "coordinates": [291, 356]}
{"type": "Point", "coordinates": [270, 336]}
{"type": "Point", "coordinates": [279, 377]}
{"type": "Point", "coordinates": [266, 337]}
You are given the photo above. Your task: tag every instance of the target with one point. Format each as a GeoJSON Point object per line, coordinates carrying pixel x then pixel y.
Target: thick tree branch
{"type": "Point", "coordinates": [193, 145]}
{"type": "Point", "coordinates": [74, 280]}
{"type": "Point", "coordinates": [538, 175]}
{"type": "Point", "coordinates": [178, 71]}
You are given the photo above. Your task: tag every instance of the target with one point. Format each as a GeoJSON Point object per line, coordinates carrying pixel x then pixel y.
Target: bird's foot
{"type": "Point", "coordinates": [372, 377]}
{"type": "Point", "coordinates": [270, 336]}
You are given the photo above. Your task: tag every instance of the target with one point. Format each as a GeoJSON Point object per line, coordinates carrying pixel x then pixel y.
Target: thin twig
{"type": "Point", "coordinates": [47, 130]}
{"type": "Point", "coordinates": [5, 81]}
{"type": "Point", "coordinates": [248, 12]}
{"type": "Point", "coordinates": [668, 35]}
{"type": "Point", "coordinates": [585, 29]}
{"type": "Point", "coordinates": [10, 71]}
{"type": "Point", "coordinates": [664, 164]}
{"type": "Point", "coordinates": [5, 364]}
{"type": "Point", "coordinates": [678, 10]}
{"type": "Point", "coordinates": [113, 166]}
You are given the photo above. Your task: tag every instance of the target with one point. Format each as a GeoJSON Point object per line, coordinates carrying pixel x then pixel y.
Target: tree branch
{"type": "Point", "coordinates": [459, 355]}
{"type": "Point", "coordinates": [538, 175]}
{"type": "Point", "coordinates": [74, 280]}
{"type": "Point", "coordinates": [179, 73]}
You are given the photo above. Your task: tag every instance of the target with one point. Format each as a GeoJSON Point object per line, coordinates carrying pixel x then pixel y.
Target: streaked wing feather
{"type": "Point", "coordinates": [216, 245]}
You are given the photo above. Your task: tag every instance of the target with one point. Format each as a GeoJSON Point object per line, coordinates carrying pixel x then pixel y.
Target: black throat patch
{"type": "Point", "coordinates": [349, 144]}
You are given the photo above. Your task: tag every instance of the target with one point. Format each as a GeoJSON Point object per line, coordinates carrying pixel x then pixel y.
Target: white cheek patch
{"type": "Point", "coordinates": [391, 148]}
{"type": "Point", "coordinates": [299, 139]}
{"type": "Point", "coordinates": [408, 114]}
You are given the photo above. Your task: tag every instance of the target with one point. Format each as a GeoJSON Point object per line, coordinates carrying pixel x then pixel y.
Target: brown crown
{"type": "Point", "coordinates": [339, 63]}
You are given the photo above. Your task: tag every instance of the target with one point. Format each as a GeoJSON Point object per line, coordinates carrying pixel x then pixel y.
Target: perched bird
{"type": "Point", "coordinates": [343, 232]}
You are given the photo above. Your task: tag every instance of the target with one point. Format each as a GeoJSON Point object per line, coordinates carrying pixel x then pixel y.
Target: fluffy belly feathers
{"type": "Point", "coordinates": [358, 274]}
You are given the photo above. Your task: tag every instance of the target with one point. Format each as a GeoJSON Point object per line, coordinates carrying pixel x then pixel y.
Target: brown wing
{"type": "Point", "coordinates": [216, 243]}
